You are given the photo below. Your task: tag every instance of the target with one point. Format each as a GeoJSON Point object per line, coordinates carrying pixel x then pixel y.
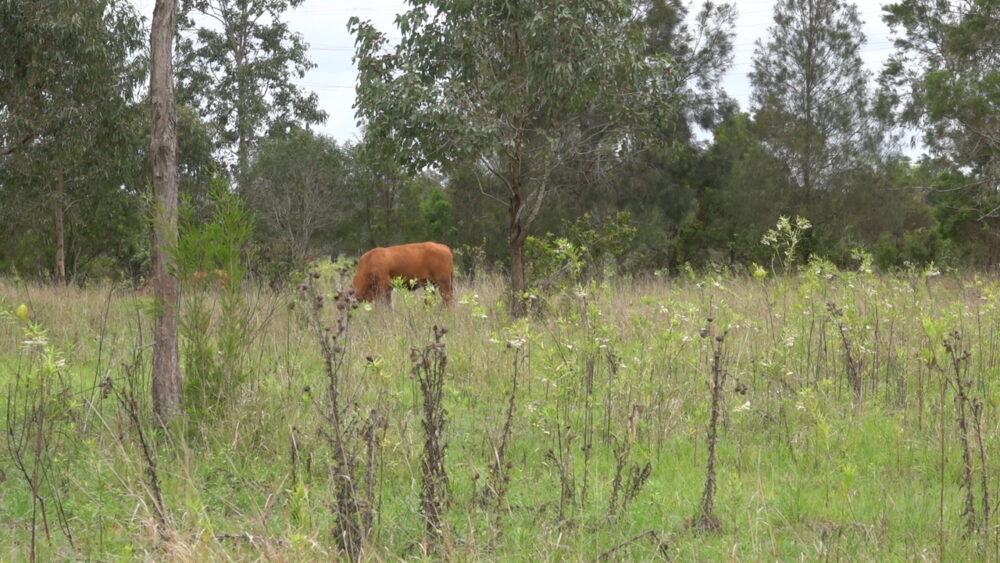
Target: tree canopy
{"type": "Point", "coordinates": [810, 90]}
{"type": "Point", "coordinates": [944, 80]}
{"type": "Point", "coordinates": [237, 64]}
{"type": "Point", "coordinates": [522, 89]}
{"type": "Point", "coordinates": [486, 124]}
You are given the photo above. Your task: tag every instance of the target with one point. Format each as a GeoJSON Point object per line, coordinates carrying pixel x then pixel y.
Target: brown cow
{"type": "Point", "coordinates": [207, 278]}
{"type": "Point", "coordinates": [417, 263]}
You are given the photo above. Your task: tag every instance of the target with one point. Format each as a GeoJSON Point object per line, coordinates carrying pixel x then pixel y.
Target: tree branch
{"type": "Point", "coordinates": [25, 140]}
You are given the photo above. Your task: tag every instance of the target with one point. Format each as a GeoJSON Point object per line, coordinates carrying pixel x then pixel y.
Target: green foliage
{"type": "Point", "coordinates": [239, 71]}
{"type": "Point", "coordinates": [211, 262]}
{"type": "Point", "coordinates": [69, 134]}
{"type": "Point", "coordinates": [943, 80]}
{"type": "Point", "coordinates": [435, 214]}
{"type": "Point", "coordinates": [299, 209]}
{"type": "Point", "coordinates": [492, 122]}
{"type": "Point", "coordinates": [67, 66]}
{"type": "Point", "coordinates": [551, 57]}
{"type": "Point", "coordinates": [219, 244]}
{"type": "Point", "coordinates": [198, 169]}
{"type": "Point", "coordinates": [606, 240]}
{"type": "Point", "coordinates": [747, 190]}
{"type": "Point", "coordinates": [27, 252]}
{"type": "Point", "coordinates": [658, 188]}
{"type": "Point", "coordinates": [478, 222]}
{"type": "Point", "coordinates": [810, 92]}
{"type": "Point", "coordinates": [41, 406]}
{"type": "Point", "coordinates": [701, 50]}
{"type": "Point", "coordinates": [590, 250]}
{"type": "Point", "coordinates": [785, 240]}
{"type": "Point", "coordinates": [653, 178]}
{"type": "Point", "coordinates": [616, 380]}
{"type": "Point", "coordinates": [383, 204]}
{"type": "Point", "coordinates": [554, 262]}
{"type": "Point", "coordinates": [520, 90]}
{"type": "Point", "coordinates": [918, 248]}
{"type": "Point", "coordinates": [334, 275]}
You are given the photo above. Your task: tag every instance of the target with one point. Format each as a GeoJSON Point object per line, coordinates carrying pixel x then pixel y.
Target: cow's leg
{"type": "Point", "coordinates": [444, 285]}
{"type": "Point", "coordinates": [383, 289]}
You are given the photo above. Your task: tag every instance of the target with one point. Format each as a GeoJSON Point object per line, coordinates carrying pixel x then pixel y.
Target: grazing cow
{"type": "Point", "coordinates": [210, 278]}
{"type": "Point", "coordinates": [418, 263]}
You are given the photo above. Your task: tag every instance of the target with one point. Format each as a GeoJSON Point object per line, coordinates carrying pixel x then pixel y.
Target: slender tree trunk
{"type": "Point", "coordinates": [518, 282]}
{"type": "Point", "coordinates": [243, 128]}
{"type": "Point", "coordinates": [166, 367]}
{"type": "Point", "coordinates": [243, 151]}
{"type": "Point", "coordinates": [59, 216]}
{"type": "Point", "coordinates": [809, 91]}
{"type": "Point", "coordinates": [515, 238]}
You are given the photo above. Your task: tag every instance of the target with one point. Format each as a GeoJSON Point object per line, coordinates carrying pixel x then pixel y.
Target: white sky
{"type": "Point", "coordinates": [323, 23]}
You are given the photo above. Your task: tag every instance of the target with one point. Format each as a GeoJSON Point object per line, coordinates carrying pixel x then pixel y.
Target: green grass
{"type": "Point", "coordinates": [805, 472]}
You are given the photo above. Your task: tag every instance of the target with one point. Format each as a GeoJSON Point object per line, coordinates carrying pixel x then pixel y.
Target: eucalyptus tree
{"type": "Point", "coordinates": [944, 80]}
{"type": "Point", "coordinates": [297, 206]}
{"type": "Point", "coordinates": [236, 64]}
{"type": "Point", "coordinates": [701, 48]}
{"type": "Point", "coordinates": [810, 91]}
{"type": "Point", "coordinates": [163, 150]}
{"type": "Point", "coordinates": [662, 182]}
{"type": "Point", "coordinates": [510, 85]}
{"type": "Point", "coordinates": [69, 74]}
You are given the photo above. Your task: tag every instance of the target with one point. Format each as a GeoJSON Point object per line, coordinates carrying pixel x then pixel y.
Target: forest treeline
{"type": "Point", "coordinates": [502, 128]}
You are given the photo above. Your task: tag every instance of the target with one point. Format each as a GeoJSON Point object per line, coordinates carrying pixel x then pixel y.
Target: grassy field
{"type": "Point", "coordinates": [857, 421]}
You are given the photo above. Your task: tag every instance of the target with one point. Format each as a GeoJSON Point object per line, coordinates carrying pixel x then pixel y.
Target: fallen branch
{"type": "Point", "coordinates": [249, 538]}
{"type": "Point", "coordinates": [660, 545]}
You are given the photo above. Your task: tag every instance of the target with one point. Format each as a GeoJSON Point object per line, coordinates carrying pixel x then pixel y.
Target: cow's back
{"type": "Point", "coordinates": [421, 261]}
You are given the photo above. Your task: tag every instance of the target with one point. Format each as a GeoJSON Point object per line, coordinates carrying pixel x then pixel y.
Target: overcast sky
{"type": "Point", "coordinates": [323, 23]}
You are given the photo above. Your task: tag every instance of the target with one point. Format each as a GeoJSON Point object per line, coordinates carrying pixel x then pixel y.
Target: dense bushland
{"type": "Point", "coordinates": [856, 418]}
{"type": "Point", "coordinates": [635, 130]}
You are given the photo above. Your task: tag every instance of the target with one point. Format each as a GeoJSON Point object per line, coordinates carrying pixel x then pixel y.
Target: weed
{"type": "Point", "coordinates": [39, 413]}
{"type": "Point", "coordinates": [706, 520]}
{"type": "Point", "coordinates": [429, 368]}
{"type": "Point", "coordinates": [354, 434]}
{"type": "Point", "coordinates": [627, 488]}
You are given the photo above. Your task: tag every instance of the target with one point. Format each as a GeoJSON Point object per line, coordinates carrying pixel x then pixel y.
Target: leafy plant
{"type": "Point", "coordinates": [211, 262]}
{"type": "Point", "coordinates": [784, 240]}
{"type": "Point", "coordinates": [39, 419]}
{"type": "Point", "coordinates": [589, 251]}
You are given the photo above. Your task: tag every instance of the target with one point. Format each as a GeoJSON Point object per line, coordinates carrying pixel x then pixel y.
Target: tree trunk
{"type": "Point", "coordinates": [59, 217]}
{"type": "Point", "coordinates": [163, 148]}
{"type": "Point", "coordinates": [518, 281]}
{"type": "Point", "coordinates": [809, 74]}
{"type": "Point", "coordinates": [243, 129]}
{"type": "Point", "coordinates": [242, 153]}
{"type": "Point", "coordinates": [515, 238]}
